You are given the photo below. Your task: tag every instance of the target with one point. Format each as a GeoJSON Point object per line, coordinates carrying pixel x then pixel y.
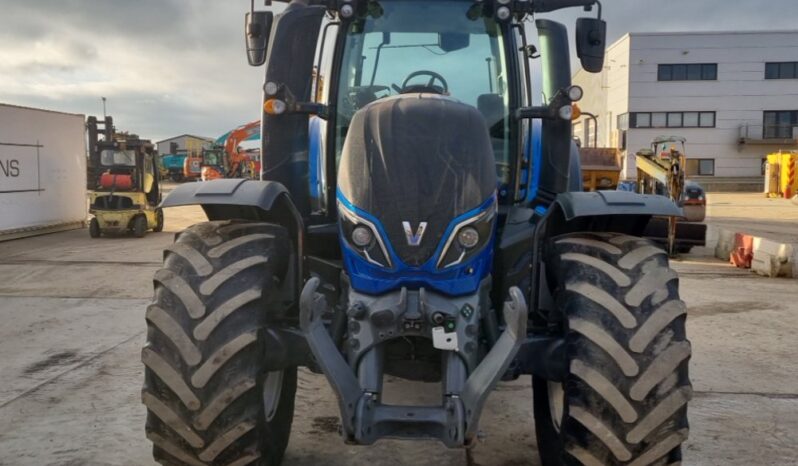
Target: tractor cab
{"type": "Point", "coordinates": [125, 190]}
{"type": "Point", "coordinates": [432, 50]}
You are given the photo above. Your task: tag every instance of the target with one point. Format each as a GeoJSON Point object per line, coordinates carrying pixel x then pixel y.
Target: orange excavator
{"type": "Point", "coordinates": [225, 159]}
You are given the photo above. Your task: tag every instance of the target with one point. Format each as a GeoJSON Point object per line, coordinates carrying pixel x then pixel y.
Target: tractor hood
{"type": "Point", "coordinates": [416, 163]}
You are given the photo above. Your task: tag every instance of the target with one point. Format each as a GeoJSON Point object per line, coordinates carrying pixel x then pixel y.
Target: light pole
{"type": "Point", "coordinates": [104, 116]}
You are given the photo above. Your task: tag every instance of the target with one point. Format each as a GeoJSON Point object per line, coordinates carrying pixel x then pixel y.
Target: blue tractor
{"type": "Point", "coordinates": [426, 225]}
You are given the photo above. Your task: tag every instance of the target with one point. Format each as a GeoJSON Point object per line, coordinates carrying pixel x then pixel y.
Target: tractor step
{"type": "Point", "coordinates": [365, 420]}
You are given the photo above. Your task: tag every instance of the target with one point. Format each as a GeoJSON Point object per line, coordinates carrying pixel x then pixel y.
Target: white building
{"type": "Point", "coordinates": [185, 142]}
{"type": "Point", "coordinates": [733, 95]}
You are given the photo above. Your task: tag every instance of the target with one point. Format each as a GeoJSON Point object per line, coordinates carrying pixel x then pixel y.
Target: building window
{"type": "Point", "coordinates": [688, 72]}
{"type": "Point", "coordinates": [707, 119]}
{"type": "Point", "coordinates": [672, 120]}
{"type": "Point", "coordinates": [779, 125]}
{"type": "Point", "coordinates": [783, 70]}
{"type": "Point", "coordinates": [701, 167]}
{"type": "Point", "coordinates": [706, 167]}
{"type": "Point", "coordinates": [623, 122]}
{"type": "Point", "coordinates": [643, 120]}
{"type": "Point", "coordinates": [691, 119]}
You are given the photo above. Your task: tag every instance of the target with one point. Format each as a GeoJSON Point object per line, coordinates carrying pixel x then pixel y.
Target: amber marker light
{"type": "Point", "coordinates": [274, 107]}
{"type": "Point", "coordinates": [577, 113]}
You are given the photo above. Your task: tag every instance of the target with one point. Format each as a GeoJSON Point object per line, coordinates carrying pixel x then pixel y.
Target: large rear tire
{"type": "Point", "coordinates": [209, 399]}
{"type": "Point", "coordinates": [624, 401]}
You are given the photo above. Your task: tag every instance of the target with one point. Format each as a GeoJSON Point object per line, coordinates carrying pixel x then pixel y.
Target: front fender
{"type": "Point", "coordinates": [604, 211]}
{"type": "Point", "coordinates": [227, 192]}
{"type": "Point", "coordinates": [238, 199]}
{"type": "Point", "coordinates": [250, 200]}
{"type": "Point", "coordinates": [600, 203]}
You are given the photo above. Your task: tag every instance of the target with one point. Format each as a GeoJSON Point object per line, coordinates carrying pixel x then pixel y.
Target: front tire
{"type": "Point", "coordinates": [209, 399]}
{"type": "Point", "coordinates": [158, 221]}
{"type": "Point", "coordinates": [624, 400]}
{"type": "Point", "coordinates": [94, 228]}
{"type": "Point", "coordinates": [140, 226]}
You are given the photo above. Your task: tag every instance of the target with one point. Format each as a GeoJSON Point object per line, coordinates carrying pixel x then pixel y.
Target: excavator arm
{"type": "Point", "coordinates": [233, 139]}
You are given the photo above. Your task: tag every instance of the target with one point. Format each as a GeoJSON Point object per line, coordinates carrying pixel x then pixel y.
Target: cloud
{"type": "Point", "coordinates": [171, 67]}
{"type": "Point", "coordinates": [166, 67]}
{"type": "Point", "coordinates": [625, 16]}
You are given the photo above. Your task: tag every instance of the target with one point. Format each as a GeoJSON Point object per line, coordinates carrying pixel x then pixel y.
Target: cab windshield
{"type": "Point", "coordinates": [212, 158]}
{"type": "Point", "coordinates": [407, 46]}
{"type": "Point", "coordinates": [125, 158]}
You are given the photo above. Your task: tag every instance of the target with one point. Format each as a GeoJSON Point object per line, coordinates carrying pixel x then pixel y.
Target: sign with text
{"type": "Point", "coordinates": [19, 168]}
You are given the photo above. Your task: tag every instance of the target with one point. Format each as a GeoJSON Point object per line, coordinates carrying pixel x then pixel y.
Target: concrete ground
{"type": "Point", "coordinates": [73, 314]}
{"type": "Point", "coordinates": [754, 214]}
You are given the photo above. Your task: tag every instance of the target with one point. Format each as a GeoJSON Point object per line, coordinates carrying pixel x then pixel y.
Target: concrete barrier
{"type": "Point", "coordinates": [768, 258]}
{"type": "Point", "coordinates": [772, 259]}
{"type": "Point", "coordinates": [725, 244]}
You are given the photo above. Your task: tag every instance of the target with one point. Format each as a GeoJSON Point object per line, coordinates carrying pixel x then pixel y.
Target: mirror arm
{"type": "Point", "coordinates": [292, 107]}
{"type": "Point", "coordinates": [546, 112]}
{"type": "Point", "coordinates": [543, 112]}
{"type": "Point", "coordinates": [312, 108]}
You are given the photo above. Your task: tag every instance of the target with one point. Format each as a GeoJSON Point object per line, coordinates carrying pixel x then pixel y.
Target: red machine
{"type": "Point", "coordinates": [239, 161]}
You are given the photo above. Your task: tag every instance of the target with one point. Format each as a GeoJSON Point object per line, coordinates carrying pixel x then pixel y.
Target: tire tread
{"type": "Point", "coordinates": [628, 386]}
{"type": "Point", "coordinates": [203, 377]}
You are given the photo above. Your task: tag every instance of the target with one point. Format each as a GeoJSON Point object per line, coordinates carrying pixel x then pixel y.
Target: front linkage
{"type": "Point", "coordinates": [451, 324]}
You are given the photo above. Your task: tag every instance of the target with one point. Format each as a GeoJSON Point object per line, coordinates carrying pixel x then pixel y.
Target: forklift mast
{"type": "Point", "coordinates": [102, 135]}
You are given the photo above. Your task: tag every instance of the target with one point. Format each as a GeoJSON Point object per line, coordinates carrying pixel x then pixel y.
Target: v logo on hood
{"type": "Point", "coordinates": [414, 239]}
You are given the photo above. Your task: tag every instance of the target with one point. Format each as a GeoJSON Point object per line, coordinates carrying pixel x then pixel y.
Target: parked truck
{"type": "Point", "coordinates": [173, 165]}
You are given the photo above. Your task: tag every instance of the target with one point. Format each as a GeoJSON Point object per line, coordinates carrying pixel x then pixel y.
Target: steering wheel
{"type": "Point", "coordinates": [408, 88]}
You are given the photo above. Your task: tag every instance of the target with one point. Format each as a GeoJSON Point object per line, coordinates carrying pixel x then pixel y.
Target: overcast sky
{"type": "Point", "coordinates": [170, 67]}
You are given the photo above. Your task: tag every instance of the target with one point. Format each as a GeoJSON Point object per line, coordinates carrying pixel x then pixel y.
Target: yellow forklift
{"type": "Point", "coordinates": [123, 182]}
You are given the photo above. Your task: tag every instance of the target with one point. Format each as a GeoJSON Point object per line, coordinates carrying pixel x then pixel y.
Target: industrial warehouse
{"type": "Point", "coordinates": [359, 232]}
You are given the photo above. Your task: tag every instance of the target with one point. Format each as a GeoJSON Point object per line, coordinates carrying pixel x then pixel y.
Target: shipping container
{"type": "Point", "coordinates": [42, 171]}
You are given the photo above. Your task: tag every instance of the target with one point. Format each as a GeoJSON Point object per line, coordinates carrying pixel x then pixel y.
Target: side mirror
{"type": "Point", "coordinates": [591, 43]}
{"type": "Point", "coordinates": [257, 29]}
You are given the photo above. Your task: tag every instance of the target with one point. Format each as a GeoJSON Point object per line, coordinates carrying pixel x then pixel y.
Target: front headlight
{"type": "Point", "coordinates": [363, 237]}
{"type": "Point", "coordinates": [468, 238]}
